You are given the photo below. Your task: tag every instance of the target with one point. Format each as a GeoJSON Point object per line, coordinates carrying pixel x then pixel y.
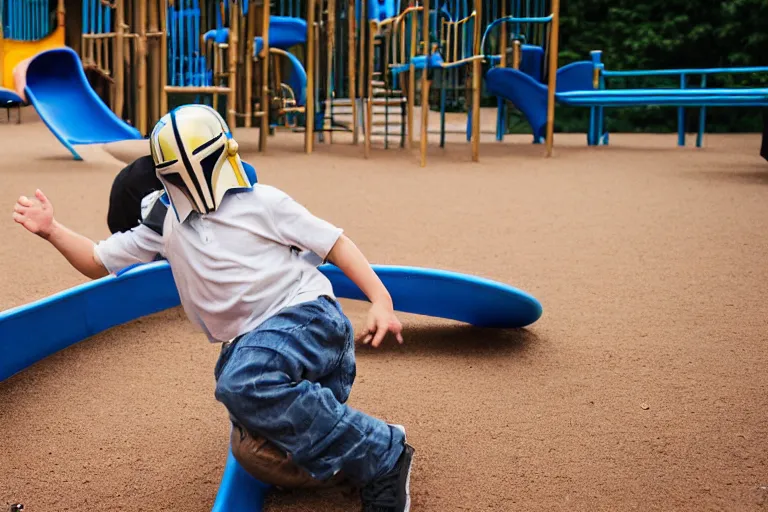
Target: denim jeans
{"type": "Point", "coordinates": [288, 381]}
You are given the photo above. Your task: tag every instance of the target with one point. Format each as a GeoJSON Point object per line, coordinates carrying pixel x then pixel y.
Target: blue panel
{"type": "Point", "coordinates": [532, 61]}
{"type": "Point", "coordinates": [34, 331]}
{"type": "Point", "coordinates": [9, 98]}
{"type": "Point", "coordinates": [69, 107]}
{"type": "Point", "coordinates": [527, 94]}
{"type": "Point", "coordinates": [239, 491]}
{"type": "Point", "coordinates": [576, 76]}
{"type": "Point", "coordinates": [65, 318]}
{"type": "Point", "coordinates": [474, 300]}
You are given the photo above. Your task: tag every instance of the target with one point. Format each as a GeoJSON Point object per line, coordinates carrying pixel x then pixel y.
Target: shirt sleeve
{"type": "Point", "coordinates": [296, 226]}
{"type": "Point", "coordinates": [139, 245]}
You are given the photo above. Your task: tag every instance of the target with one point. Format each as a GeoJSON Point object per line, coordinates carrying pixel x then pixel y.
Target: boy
{"type": "Point", "coordinates": [241, 257]}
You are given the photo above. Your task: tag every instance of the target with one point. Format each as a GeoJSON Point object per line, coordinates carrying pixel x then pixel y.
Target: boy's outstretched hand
{"type": "Point", "coordinates": [35, 216]}
{"type": "Point", "coordinates": [381, 316]}
{"type": "Point", "coordinates": [381, 320]}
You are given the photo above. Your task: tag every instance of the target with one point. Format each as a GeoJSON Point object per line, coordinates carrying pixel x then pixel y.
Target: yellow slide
{"type": "Point", "coordinates": [13, 52]}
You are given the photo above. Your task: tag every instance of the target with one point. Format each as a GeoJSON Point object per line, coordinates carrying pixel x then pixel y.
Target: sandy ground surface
{"type": "Point", "coordinates": [643, 386]}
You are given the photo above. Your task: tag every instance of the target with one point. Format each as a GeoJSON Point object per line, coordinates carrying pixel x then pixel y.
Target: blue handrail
{"type": "Point", "coordinates": [596, 115]}
{"type": "Point", "coordinates": [692, 71]}
{"type": "Point", "coordinates": [512, 19]}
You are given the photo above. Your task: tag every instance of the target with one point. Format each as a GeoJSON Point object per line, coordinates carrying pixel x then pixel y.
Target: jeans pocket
{"type": "Point", "coordinates": [224, 355]}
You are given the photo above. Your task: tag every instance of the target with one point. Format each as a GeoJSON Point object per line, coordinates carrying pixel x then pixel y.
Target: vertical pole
{"type": "Point", "coordinates": [329, 53]}
{"type": "Point", "coordinates": [163, 58]}
{"type": "Point", "coordinates": [154, 73]}
{"type": "Point", "coordinates": [119, 57]}
{"type": "Point", "coordinates": [142, 66]}
{"type": "Point", "coordinates": [351, 70]}
{"type": "Point", "coordinates": [234, 16]}
{"type": "Point", "coordinates": [503, 36]}
{"type": "Point", "coordinates": [309, 132]}
{"type": "Point", "coordinates": [681, 117]}
{"type": "Point", "coordinates": [372, 29]}
{"type": "Point", "coordinates": [414, 19]}
{"type": "Point", "coordinates": [425, 84]}
{"type": "Point", "coordinates": [477, 84]}
{"type": "Point", "coordinates": [553, 50]}
{"type": "Point", "coordinates": [264, 126]}
{"type": "Point", "coordinates": [362, 39]}
{"type": "Point", "coordinates": [702, 115]}
{"type": "Point", "coordinates": [250, 34]}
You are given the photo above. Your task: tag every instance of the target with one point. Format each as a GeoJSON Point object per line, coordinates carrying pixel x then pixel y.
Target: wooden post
{"type": "Point", "coordinates": [412, 76]}
{"type": "Point", "coordinates": [119, 58]}
{"type": "Point", "coordinates": [503, 36]}
{"type": "Point", "coordinates": [309, 132]}
{"type": "Point", "coordinates": [425, 84]}
{"type": "Point", "coordinates": [163, 59]}
{"type": "Point", "coordinates": [153, 106]}
{"type": "Point", "coordinates": [477, 84]}
{"type": "Point", "coordinates": [516, 54]}
{"type": "Point", "coordinates": [234, 17]}
{"type": "Point", "coordinates": [251, 33]}
{"type": "Point", "coordinates": [264, 126]}
{"type": "Point", "coordinates": [142, 67]}
{"type": "Point", "coordinates": [351, 69]}
{"type": "Point", "coordinates": [555, 33]}
{"type": "Point", "coordinates": [331, 34]}
{"type": "Point", "coordinates": [362, 41]}
{"type": "Point", "coordinates": [372, 29]}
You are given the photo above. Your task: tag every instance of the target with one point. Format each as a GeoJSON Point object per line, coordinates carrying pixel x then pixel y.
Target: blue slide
{"type": "Point", "coordinates": [284, 32]}
{"type": "Point", "coordinates": [69, 107]}
{"type": "Point", "coordinates": [575, 88]}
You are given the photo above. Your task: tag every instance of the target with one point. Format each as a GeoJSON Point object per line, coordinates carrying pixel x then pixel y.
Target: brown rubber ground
{"type": "Point", "coordinates": [644, 385]}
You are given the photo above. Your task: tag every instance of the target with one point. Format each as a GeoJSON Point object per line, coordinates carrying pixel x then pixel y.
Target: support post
{"type": "Point", "coordinates": [477, 84]}
{"type": "Point", "coordinates": [309, 132]}
{"type": "Point", "coordinates": [351, 70]}
{"type": "Point", "coordinates": [425, 84]}
{"type": "Point", "coordinates": [234, 30]}
{"type": "Point", "coordinates": [412, 76]}
{"type": "Point", "coordinates": [553, 51]}
{"type": "Point", "coordinates": [142, 67]}
{"type": "Point", "coordinates": [118, 61]}
{"type": "Point", "coordinates": [264, 126]}
{"type": "Point", "coordinates": [163, 59]}
{"type": "Point", "coordinates": [248, 62]}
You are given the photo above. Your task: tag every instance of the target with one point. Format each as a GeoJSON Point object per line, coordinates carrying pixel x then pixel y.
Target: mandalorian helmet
{"type": "Point", "coordinates": [196, 159]}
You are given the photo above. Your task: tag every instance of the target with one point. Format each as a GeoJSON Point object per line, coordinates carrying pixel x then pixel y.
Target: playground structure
{"type": "Point", "coordinates": [324, 66]}
{"type": "Point", "coordinates": [27, 27]}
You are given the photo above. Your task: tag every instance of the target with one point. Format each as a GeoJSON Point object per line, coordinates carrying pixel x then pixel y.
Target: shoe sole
{"type": "Point", "coordinates": [407, 507]}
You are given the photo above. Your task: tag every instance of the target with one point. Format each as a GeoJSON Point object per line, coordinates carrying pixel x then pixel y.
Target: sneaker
{"type": "Point", "coordinates": [391, 491]}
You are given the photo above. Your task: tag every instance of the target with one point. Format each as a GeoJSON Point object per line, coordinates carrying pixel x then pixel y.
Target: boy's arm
{"type": "Point", "coordinates": [295, 225]}
{"type": "Point", "coordinates": [92, 260]}
{"type": "Point", "coordinates": [77, 249]}
{"type": "Point", "coordinates": [381, 317]}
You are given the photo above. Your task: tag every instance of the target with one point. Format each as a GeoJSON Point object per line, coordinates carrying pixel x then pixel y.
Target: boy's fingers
{"type": "Point", "coordinates": [25, 201]}
{"type": "Point", "coordinates": [19, 218]}
{"type": "Point", "coordinates": [380, 333]}
{"type": "Point", "coordinates": [39, 194]}
{"type": "Point", "coordinates": [19, 209]}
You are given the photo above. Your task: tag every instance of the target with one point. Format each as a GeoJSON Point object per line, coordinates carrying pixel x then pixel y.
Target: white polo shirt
{"type": "Point", "coordinates": [239, 265]}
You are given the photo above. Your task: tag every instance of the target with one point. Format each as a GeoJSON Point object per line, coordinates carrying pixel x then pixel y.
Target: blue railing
{"type": "Point", "coordinates": [683, 74]}
{"type": "Point", "coordinates": [26, 20]}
